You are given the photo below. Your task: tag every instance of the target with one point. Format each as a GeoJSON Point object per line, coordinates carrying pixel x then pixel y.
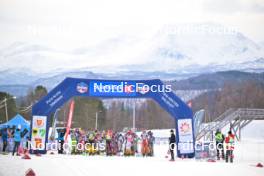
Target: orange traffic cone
{"type": "Point", "coordinates": [211, 160]}
{"type": "Point", "coordinates": [30, 172]}
{"type": "Point", "coordinates": [259, 165]}
{"type": "Point", "coordinates": [26, 156]}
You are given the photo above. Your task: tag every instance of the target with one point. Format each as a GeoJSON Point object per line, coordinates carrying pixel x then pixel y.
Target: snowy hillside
{"type": "Point", "coordinates": [178, 48]}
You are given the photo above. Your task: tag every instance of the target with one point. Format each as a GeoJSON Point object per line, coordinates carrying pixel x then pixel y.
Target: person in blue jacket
{"type": "Point", "coordinates": [17, 140]}
{"type": "Point", "coordinates": [61, 133]}
{"type": "Point", "coordinates": [4, 138]}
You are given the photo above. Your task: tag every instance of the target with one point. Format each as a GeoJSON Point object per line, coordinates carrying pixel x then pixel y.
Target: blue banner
{"type": "Point", "coordinates": [112, 88]}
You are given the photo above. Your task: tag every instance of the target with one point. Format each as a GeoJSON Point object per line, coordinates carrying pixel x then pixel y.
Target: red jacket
{"type": "Point", "coordinates": [230, 141]}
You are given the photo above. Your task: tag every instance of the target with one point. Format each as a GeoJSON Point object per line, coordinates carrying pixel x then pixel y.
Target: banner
{"type": "Point", "coordinates": [52, 136]}
{"type": "Point", "coordinates": [39, 124]}
{"type": "Point", "coordinates": [198, 119]}
{"type": "Point", "coordinates": [185, 144]}
{"type": "Point", "coordinates": [185, 130]}
{"type": "Point", "coordinates": [69, 120]}
{"type": "Point", "coordinates": [112, 88]}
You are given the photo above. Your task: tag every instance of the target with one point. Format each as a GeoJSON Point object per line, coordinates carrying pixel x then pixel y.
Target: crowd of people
{"type": "Point", "coordinates": [109, 142]}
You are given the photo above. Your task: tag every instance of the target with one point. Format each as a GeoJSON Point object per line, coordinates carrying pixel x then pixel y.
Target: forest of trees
{"type": "Point", "coordinates": [248, 94]}
{"type": "Point", "coordinates": [11, 106]}
{"type": "Point", "coordinates": [149, 115]}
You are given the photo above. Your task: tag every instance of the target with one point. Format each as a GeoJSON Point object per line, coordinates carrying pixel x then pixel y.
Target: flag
{"type": "Point", "coordinates": [52, 136]}
{"type": "Point", "coordinates": [69, 120]}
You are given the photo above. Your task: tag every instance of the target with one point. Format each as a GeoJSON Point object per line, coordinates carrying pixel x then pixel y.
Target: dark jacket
{"type": "Point", "coordinates": [4, 135]}
{"type": "Point", "coordinates": [172, 139]}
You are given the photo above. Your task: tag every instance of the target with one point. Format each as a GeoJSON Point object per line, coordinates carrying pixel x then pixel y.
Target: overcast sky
{"type": "Point", "coordinates": [80, 22]}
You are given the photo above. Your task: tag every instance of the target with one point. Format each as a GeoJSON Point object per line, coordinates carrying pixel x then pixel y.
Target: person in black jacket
{"type": "Point", "coordinates": [172, 142]}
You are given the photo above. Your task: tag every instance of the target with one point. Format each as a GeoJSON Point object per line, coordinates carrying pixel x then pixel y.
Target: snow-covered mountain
{"type": "Point", "coordinates": [208, 43]}
{"type": "Point", "coordinates": [173, 49]}
{"type": "Point", "coordinates": [171, 53]}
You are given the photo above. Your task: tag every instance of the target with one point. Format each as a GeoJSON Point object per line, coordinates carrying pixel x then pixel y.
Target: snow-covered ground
{"type": "Point", "coordinates": [69, 165]}
{"type": "Point", "coordinates": [248, 153]}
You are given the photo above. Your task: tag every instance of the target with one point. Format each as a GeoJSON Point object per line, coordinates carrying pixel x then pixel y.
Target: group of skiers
{"type": "Point", "coordinates": [111, 143]}
{"type": "Point", "coordinates": [118, 143]}
{"type": "Point", "coordinates": [229, 143]}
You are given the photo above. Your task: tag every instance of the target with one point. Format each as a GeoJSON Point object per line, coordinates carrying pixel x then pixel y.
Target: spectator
{"type": "Point", "coordinates": [172, 142]}
{"type": "Point", "coordinates": [17, 140]}
{"type": "Point", "coordinates": [4, 138]}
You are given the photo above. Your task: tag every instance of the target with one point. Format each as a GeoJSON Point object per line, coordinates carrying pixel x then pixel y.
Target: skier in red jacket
{"type": "Point", "coordinates": [230, 141]}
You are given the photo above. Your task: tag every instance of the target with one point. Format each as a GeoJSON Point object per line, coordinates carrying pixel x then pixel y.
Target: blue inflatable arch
{"type": "Point", "coordinates": [154, 89]}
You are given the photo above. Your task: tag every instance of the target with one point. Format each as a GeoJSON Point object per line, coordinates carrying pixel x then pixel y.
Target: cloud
{"type": "Point", "coordinates": [78, 22]}
{"type": "Point", "coordinates": [257, 7]}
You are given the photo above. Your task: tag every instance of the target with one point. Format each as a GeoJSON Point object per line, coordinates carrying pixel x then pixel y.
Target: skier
{"type": "Point", "coordinates": [120, 141]}
{"type": "Point", "coordinates": [151, 140]}
{"type": "Point", "coordinates": [61, 133]}
{"type": "Point", "coordinates": [172, 142]}
{"type": "Point", "coordinates": [91, 136]}
{"type": "Point", "coordinates": [91, 142]}
{"type": "Point", "coordinates": [4, 138]}
{"type": "Point", "coordinates": [97, 141]}
{"type": "Point", "coordinates": [129, 143]}
{"type": "Point", "coordinates": [219, 138]}
{"type": "Point", "coordinates": [135, 143]}
{"type": "Point", "coordinates": [82, 140]}
{"type": "Point", "coordinates": [17, 140]}
{"type": "Point", "coordinates": [73, 143]}
{"type": "Point", "coordinates": [114, 144]}
{"type": "Point", "coordinates": [103, 142]}
{"type": "Point", "coordinates": [229, 140]}
{"type": "Point", "coordinates": [108, 138]}
{"type": "Point", "coordinates": [75, 140]}
{"type": "Point", "coordinates": [144, 139]}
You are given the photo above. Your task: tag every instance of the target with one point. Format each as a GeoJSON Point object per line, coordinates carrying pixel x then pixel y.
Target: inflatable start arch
{"type": "Point", "coordinates": [154, 89]}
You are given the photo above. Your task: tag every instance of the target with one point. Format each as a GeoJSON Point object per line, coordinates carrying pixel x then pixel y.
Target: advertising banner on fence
{"type": "Point", "coordinates": [185, 144]}
{"type": "Point", "coordinates": [39, 124]}
{"type": "Point", "coordinates": [185, 130]}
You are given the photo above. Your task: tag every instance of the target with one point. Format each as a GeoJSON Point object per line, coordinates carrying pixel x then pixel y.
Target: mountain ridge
{"type": "Point", "coordinates": [171, 49]}
{"type": "Point", "coordinates": [204, 81]}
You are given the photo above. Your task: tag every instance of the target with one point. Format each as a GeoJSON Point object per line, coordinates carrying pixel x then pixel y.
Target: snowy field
{"type": "Point", "coordinates": [248, 153]}
{"type": "Point", "coordinates": [69, 165]}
